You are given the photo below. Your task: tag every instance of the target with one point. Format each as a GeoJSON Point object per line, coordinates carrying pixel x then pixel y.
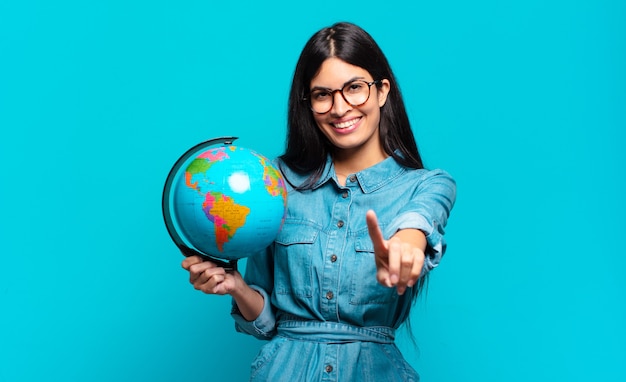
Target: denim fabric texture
{"type": "Point", "coordinates": [328, 319]}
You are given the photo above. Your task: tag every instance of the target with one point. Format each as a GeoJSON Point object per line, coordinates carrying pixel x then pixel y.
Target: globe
{"type": "Point", "coordinates": [224, 201]}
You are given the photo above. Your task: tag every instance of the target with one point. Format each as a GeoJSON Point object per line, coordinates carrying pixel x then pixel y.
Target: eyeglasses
{"type": "Point", "coordinates": [355, 93]}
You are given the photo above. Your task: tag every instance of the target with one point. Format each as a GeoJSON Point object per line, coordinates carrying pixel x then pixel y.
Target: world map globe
{"type": "Point", "coordinates": [224, 201]}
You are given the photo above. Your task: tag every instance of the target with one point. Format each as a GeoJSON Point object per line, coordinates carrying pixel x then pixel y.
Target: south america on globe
{"type": "Point", "coordinates": [225, 201]}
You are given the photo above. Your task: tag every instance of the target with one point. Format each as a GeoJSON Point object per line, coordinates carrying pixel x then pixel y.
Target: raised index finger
{"type": "Point", "coordinates": [375, 233]}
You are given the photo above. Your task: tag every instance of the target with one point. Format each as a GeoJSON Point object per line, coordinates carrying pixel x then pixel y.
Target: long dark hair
{"type": "Point", "coordinates": [307, 147]}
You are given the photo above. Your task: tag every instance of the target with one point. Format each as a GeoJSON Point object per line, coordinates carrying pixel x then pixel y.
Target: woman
{"type": "Point", "coordinates": [363, 228]}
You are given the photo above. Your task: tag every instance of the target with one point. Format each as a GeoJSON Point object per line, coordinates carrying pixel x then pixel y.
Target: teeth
{"type": "Point", "coordinates": [349, 123]}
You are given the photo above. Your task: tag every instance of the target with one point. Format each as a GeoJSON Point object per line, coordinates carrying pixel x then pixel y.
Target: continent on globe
{"type": "Point", "coordinates": [201, 165]}
{"type": "Point", "coordinates": [274, 182]}
{"type": "Point", "coordinates": [226, 215]}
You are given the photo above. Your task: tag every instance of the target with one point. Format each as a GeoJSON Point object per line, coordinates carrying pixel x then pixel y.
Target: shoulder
{"type": "Point", "coordinates": [292, 178]}
{"type": "Point", "coordinates": [437, 173]}
{"type": "Point", "coordinates": [436, 181]}
{"type": "Point", "coordinates": [303, 180]}
{"type": "Point", "coordinates": [425, 175]}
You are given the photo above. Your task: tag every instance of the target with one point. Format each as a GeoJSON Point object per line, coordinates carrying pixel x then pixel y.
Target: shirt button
{"type": "Point", "coordinates": [353, 178]}
{"type": "Point", "coordinates": [345, 194]}
{"type": "Point", "coordinates": [329, 368]}
{"type": "Point", "coordinates": [333, 258]}
{"type": "Point", "coordinates": [329, 295]}
{"type": "Point", "coordinates": [340, 223]}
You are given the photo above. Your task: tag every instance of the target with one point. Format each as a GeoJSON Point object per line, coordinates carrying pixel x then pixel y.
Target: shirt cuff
{"type": "Point", "coordinates": [436, 245]}
{"type": "Point", "coordinates": [264, 327]}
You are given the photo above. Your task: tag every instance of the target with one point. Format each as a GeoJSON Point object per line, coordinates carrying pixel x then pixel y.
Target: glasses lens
{"type": "Point", "coordinates": [356, 93]}
{"type": "Point", "coordinates": [321, 101]}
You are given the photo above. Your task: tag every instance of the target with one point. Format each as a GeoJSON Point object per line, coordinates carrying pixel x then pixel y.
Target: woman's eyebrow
{"type": "Point", "coordinates": [344, 84]}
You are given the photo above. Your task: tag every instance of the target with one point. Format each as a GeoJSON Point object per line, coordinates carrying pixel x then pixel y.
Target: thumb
{"type": "Point", "coordinates": [380, 245]}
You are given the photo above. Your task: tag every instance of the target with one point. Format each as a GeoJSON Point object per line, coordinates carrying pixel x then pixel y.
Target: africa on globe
{"type": "Point", "coordinates": [224, 201]}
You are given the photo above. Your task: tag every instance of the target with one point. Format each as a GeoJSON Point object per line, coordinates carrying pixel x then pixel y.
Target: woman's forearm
{"type": "Point", "coordinates": [249, 301]}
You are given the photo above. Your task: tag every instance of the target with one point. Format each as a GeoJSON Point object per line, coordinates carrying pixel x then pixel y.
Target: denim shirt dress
{"type": "Point", "coordinates": [325, 315]}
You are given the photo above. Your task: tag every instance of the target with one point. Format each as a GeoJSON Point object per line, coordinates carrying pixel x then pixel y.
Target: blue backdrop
{"type": "Point", "coordinates": [522, 101]}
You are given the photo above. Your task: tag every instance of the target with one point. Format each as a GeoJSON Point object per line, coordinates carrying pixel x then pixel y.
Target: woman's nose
{"type": "Point", "coordinates": [340, 106]}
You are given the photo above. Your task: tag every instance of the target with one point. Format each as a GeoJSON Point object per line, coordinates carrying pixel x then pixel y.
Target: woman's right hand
{"type": "Point", "coordinates": [209, 278]}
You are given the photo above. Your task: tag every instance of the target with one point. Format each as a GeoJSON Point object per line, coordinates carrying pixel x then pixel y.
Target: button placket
{"type": "Point", "coordinates": [329, 288]}
{"type": "Point", "coordinates": [331, 353]}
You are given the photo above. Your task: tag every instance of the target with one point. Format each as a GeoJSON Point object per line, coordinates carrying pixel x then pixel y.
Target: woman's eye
{"type": "Point", "coordinates": [320, 96]}
{"type": "Point", "coordinates": [355, 87]}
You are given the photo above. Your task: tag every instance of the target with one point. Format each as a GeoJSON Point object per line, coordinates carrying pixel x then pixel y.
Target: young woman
{"type": "Point", "coordinates": [364, 225]}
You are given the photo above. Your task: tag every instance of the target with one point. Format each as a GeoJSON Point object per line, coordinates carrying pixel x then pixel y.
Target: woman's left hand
{"type": "Point", "coordinates": [400, 259]}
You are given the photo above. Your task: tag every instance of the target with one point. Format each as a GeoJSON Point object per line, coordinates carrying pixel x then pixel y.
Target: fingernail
{"type": "Point", "coordinates": [393, 279]}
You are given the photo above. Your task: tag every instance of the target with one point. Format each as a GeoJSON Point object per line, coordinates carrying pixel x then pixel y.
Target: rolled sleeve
{"type": "Point", "coordinates": [428, 211]}
{"type": "Point", "coordinates": [264, 327]}
{"type": "Point", "coordinates": [436, 244]}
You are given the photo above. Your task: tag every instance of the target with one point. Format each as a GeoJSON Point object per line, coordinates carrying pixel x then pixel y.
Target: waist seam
{"type": "Point", "coordinates": [329, 331]}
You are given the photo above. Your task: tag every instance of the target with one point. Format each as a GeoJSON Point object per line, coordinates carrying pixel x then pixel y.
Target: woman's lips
{"type": "Point", "coordinates": [346, 124]}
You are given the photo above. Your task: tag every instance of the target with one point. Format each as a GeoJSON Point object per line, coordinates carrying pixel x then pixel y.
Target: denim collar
{"type": "Point", "coordinates": [369, 179]}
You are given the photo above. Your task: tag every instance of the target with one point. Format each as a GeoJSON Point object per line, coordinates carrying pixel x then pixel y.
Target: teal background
{"type": "Point", "coordinates": [522, 101]}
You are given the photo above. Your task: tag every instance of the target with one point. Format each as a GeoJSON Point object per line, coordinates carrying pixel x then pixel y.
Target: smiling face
{"type": "Point", "coordinates": [353, 130]}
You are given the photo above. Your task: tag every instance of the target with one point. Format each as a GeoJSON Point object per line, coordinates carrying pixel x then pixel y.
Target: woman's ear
{"type": "Point", "coordinates": [383, 91]}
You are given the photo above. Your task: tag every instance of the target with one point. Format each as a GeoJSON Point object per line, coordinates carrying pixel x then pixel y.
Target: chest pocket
{"type": "Point", "coordinates": [295, 246]}
{"type": "Point", "coordinates": [364, 288]}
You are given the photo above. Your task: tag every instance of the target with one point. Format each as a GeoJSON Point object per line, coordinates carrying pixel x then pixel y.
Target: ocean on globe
{"type": "Point", "coordinates": [229, 202]}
